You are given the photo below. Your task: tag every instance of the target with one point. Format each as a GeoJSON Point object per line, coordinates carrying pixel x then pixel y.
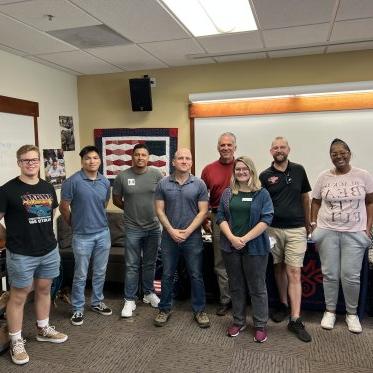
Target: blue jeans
{"type": "Point", "coordinates": [192, 250]}
{"type": "Point", "coordinates": [98, 246]}
{"type": "Point", "coordinates": [140, 244]}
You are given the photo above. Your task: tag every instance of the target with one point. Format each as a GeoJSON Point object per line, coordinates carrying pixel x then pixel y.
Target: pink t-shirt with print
{"type": "Point", "coordinates": [343, 200]}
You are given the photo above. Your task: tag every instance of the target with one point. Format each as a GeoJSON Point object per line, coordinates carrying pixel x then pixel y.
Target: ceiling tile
{"type": "Point", "coordinates": [24, 38]}
{"type": "Point", "coordinates": [53, 65]}
{"type": "Point", "coordinates": [34, 13]}
{"type": "Point", "coordinates": [345, 47]}
{"type": "Point", "coordinates": [12, 50]}
{"type": "Point", "coordinates": [140, 21]}
{"type": "Point", "coordinates": [294, 36]}
{"type": "Point", "coordinates": [175, 52]}
{"type": "Point", "coordinates": [296, 52]}
{"type": "Point", "coordinates": [287, 13]}
{"type": "Point", "coordinates": [231, 42]}
{"type": "Point", "coordinates": [241, 57]}
{"type": "Point", "coordinates": [81, 62]}
{"type": "Point", "coordinates": [352, 9]}
{"type": "Point", "coordinates": [130, 57]}
{"type": "Point", "coordinates": [9, 1]}
{"type": "Point", "coordinates": [352, 30]}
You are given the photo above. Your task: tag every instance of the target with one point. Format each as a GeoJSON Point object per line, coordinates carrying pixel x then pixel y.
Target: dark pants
{"type": "Point", "coordinates": [247, 275]}
{"type": "Point", "coordinates": [192, 250]}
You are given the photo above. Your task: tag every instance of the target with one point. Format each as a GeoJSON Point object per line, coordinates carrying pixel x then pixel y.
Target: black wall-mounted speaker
{"type": "Point", "coordinates": [141, 95]}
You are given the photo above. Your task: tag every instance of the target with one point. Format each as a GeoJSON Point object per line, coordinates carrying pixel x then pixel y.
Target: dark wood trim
{"type": "Point", "coordinates": [349, 101]}
{"type": "Point", "coordinates": [36, 133]}
{"type": "Point", "coordinates": [192, 143]}
{"type": "Point", "coordinates": [18, 106]}
{"type": "Point", "coordinates": [21, 107]}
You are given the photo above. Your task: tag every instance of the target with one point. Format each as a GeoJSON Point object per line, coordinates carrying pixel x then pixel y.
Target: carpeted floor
{"type": "Point", "coordinates": [112, 344]}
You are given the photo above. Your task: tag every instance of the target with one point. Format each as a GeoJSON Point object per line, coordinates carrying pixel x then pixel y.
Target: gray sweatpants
{"type": "Point", "coordinates": [341, 256]}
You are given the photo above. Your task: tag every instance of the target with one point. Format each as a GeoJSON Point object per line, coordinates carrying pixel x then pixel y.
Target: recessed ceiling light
{"type": "Point", "coordinates": [211, 17]}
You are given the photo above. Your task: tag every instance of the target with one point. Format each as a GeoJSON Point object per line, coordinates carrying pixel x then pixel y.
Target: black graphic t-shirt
{"type": "Point", "coordinates": [28, 216]}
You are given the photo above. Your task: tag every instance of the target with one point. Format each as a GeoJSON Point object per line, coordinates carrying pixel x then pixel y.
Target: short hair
{"type": "Point", "coordinates": [227, 134]}
{"type": "Point", "coordinates": [178, 150]}
{"type": "Point", "coordinates": [254, 182]}
{"type": "Point", "coordinates": [280, 138]}
{"type": "Point", "coordinates": [88, 149]}
{"type": "Point", "coordinates": [140, 146]}
{"type": "Point", "coordinates": [27, 148]}
{"type": "Point", "coordinates": [337, 141]}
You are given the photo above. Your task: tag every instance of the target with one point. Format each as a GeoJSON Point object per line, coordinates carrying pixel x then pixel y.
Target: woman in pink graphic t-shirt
{"type": "Point", "coordinates": [341, 220]}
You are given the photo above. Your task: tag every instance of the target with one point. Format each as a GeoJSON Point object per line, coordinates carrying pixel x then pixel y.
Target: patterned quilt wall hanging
{"type": "Point", "coordinates": [116, 144]}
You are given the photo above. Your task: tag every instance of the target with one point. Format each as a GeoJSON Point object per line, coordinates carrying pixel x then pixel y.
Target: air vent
{"type": "Point", "coordinates": [90, 37]}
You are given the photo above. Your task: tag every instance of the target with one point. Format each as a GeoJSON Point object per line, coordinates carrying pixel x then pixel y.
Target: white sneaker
{"type": "Point", "coordinates": [129, 307]}
{"type": "Point", "coordinates": [328, 320]}
{"type": "Point", "coordinates": [152, 299]}
{"type": "Point", "coordinates": [353, 324]}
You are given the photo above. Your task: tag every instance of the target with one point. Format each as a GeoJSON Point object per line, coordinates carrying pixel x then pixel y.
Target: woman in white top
{"type": "Point", "coordinates": [341, 220]}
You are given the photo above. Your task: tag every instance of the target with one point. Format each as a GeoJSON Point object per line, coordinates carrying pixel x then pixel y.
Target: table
{"type": "Point", "coordinates": [312, 287]}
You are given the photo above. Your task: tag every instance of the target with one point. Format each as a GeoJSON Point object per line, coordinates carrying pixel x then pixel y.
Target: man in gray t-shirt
{"type": "Point", "coordinates": [133, 192]}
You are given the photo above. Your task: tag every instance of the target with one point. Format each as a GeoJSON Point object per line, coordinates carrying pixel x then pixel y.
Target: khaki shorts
{"type": "Point", "coordinates": [290, 247]}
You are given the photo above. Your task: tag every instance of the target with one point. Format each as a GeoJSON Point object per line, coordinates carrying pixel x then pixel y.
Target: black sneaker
{"type": "Point", "coordinates": [223, 308]}
{"type": "Point", "coordinates": [297, 327]}
{"type": "Point", "coordinates": [280, 313]}
{"type": "Point", "coordinates": [102, 309]}
{"type": "Point", "coordinates": [77, 318]}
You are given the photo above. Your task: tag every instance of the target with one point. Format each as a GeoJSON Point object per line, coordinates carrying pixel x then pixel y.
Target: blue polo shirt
{"type": "Point", "coordinates": [87, 202]}
{"type": "Point", "coordinates": [181, 201]}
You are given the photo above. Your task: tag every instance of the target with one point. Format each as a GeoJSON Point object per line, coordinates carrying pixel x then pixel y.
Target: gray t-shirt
{"type": "Point", "coordinates": [137, 192]}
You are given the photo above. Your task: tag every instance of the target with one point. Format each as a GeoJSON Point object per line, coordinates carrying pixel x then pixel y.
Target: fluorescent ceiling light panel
{"type": "Point", "coordinates": [212, 17]}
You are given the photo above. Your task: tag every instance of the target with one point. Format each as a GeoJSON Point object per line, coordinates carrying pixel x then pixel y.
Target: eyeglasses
{"type": "Point", "coordinates": [243, 170]}
{"type": "Point", "coordinates": [29, 161]}
{"type": "Point", "coordinates": [341, 154]}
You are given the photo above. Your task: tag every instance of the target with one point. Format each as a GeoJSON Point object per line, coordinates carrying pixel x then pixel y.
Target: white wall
{"type": "Point", "coordinates": [309, 136]}
{"type": "Point", "coordinates": [56, 93]}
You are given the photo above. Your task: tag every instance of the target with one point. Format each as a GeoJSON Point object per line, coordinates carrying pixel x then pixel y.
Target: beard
{"type": "Point", "coordinates": [280, 158]}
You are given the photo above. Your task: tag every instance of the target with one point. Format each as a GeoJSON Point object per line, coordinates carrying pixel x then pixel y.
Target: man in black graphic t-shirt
{"type": "Point", "coordinates": [27, 204]}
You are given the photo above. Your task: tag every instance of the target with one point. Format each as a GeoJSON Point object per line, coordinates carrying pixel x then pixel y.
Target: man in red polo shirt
{"type": "Point", "coordinates": [217, 176]}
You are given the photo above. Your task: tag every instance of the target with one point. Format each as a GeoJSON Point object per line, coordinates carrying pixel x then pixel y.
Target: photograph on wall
{"type": "Point", "coordinates": [54, 166]}
{"type": "Point", "coordinates": [67, 133]}
{"type": "Point", "coordinates": [116, 146]}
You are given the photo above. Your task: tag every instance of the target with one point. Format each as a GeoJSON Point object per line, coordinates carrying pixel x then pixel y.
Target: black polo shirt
{"type": "Point", "coordinates": [286, 189]}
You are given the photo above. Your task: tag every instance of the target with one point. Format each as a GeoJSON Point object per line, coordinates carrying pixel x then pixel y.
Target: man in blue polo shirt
{"type": "Point", "coordinates": [84, 198]}
{"type": "Point", "coordinates": [181, 203]}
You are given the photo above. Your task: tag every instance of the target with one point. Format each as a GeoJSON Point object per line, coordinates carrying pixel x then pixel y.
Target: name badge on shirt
{"type": "Point", "coordinates": [131, 182]}
{"type": "Point", "coordinates": [246, 199]}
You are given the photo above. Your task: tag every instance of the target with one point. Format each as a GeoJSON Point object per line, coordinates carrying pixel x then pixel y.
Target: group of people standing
{"type": "Point", "coordinates": [240, 208]}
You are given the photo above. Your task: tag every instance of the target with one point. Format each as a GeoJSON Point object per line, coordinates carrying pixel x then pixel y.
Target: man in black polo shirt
{"type": "Point", "coordinates": [288, 185]}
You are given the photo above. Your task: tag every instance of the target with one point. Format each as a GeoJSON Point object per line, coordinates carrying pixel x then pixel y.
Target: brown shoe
{"type": "Point", "coordinates": [223, 308]}
{"type": "Point", "coordinates": [18, 353]}
{"type": "Point", "coordinates": [50, 334]}
{"type": "Point", "coordinates": [162, 318]}
{"type": "Point", "coordinates": [202, 319]}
